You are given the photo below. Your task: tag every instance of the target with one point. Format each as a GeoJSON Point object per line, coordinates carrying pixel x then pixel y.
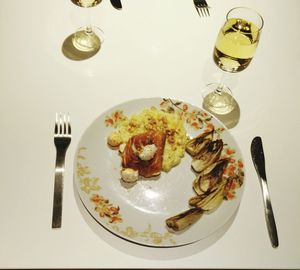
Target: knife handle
{"type": "Point", "coordinates": [269, 215]}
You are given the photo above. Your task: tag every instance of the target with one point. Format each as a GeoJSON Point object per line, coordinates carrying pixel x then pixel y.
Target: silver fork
{"type": "Point", "coordinates": [62, 140]}
{"type": "Point", "coordinates": [201, 7]}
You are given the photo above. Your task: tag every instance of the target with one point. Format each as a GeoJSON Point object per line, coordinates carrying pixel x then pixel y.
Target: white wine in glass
{"type": "Point", "coordinates": [236, 45]}
{"type": "Point", "coordinates": [88, 38]}
{"type": "Point", "coordinates": [234, 49]}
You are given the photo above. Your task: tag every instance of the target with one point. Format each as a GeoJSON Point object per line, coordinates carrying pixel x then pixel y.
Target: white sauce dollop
{"type": "Point", "coordinates": [147, 152]}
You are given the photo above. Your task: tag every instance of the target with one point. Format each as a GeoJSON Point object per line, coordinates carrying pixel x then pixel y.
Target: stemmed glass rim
{"type": "Point", "coordinates": [251, 9]}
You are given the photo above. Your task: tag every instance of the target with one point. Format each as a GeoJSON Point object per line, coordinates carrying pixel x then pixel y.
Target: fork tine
{"type": "Point", "coordinates": [197, 11]}
{"type": "Point", "coordinates": [201, 11]}
{"type": "Point", "coordinates": [56, 124]}
{"type": "Point", "coordinates": [64, 124]}
{"type": "Point", "coordinates": [68, 124]}
{"type": "Point", "coordinates": [60, 124]}
{"type": "Point", "coordinates": [207, 9]}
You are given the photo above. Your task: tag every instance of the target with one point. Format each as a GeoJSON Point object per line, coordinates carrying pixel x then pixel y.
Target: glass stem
{"type": "Point", "coordinates": [88, 28]}
{"type": "Point", "coordinates": [219, 90]}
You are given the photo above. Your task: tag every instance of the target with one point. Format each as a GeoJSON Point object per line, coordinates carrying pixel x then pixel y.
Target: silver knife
{"type": "Point", "coordinates": [258, 158]}
{"type": "Point", "coordinates": [116, 4]}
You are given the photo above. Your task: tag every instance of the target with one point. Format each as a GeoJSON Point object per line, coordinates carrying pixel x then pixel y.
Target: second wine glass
{"type": "Point", "coordinates": [88, 38]}
{"type": "Point", "coordinates": [234, 49]}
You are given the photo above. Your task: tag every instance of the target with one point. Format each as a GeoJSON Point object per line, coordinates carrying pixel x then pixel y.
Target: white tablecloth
{"type": "Point", "coordinates": [152, 48]}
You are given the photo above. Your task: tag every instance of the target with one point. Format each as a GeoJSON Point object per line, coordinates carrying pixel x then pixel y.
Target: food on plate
{"type": "Point", "coordinates": [149, 142]}
{"type": "Point", "coordinates": [209, 185]}
{"type": "Point", "coordinates": [210, 178]}
{"type": "Point", "coordinates": [154, 141]}
{"type": "Point", "coordinates": [210, 153]}
{"type": "Point", "coordinates": [195, 145]}
{"type": "Point", "coordinates": [184, 219]}
{"type": "Point", "coordinates": [129, 175]}
{"type": "Point", "coordinates": [144, 153]}
{"type": "Point", "coordinates": [211, 200]}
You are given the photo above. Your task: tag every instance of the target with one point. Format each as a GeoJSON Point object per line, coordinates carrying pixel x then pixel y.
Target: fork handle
{"type": "Point", "coordinates": [58, 189]}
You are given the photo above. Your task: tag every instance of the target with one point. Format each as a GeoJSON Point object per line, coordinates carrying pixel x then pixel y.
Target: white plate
{"type": "Point", "coordinates": [138, 213]}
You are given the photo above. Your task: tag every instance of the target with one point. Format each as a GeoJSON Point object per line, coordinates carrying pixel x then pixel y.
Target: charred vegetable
{"type": "Point", "coordinates": [211, 201]}
{"type": "Point", "coordinates": [209, 178]}
{"type": "Point", "coordinates": [210, 184]}
{"type": "Point", "coordinates": [209, 153]}
{"type": "Point", "coordinates": [184, 219]}
{"type": "Point", "coordinates": [195, 145]}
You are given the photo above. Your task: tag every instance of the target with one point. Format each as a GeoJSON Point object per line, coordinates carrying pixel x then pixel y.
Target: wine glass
{"type": "Point", "coordinates": [88, 38]}
{"type": "Point", "coordinates": [234, 50]}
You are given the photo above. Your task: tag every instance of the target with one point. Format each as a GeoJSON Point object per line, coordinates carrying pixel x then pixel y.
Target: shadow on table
{"type": "Point", "coordinates": [70, 51]}
{"type": "Point", "coordinates": [231, 119]}
{"type": "Point", "coordinates": [147, 252]}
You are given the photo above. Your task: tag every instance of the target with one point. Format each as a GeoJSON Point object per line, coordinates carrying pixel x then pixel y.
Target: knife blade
{"type": "Point", "coordinates": [258, 159]}
{"type": "Point", "coordinates": [116, 4]}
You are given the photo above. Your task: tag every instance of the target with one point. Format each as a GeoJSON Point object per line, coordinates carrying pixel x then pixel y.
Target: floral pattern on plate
{"type": "Point", "coordinates": [106, 210]}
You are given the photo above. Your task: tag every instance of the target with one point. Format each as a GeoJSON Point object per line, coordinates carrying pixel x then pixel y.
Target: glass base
{"type": "Point", "coordinates": [87, 40]}
{"type": "Point", "coordinates": [218, 99]}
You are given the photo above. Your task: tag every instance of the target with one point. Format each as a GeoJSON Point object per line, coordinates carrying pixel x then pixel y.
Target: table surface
{"type": "Point", "coordinates": [154, 48]}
